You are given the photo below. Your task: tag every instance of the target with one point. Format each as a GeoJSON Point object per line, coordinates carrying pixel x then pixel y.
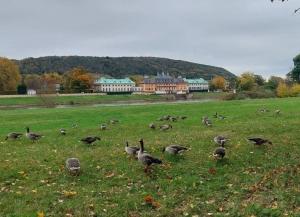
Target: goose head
{"type": "Point", "coordinates": [97, 138]}
{"type": "Point", "coordinates": [127, 144]}
{"type": "Point", "coordinates": [27, 129]}
{"type": "Point", "coordinates": [163, 149]}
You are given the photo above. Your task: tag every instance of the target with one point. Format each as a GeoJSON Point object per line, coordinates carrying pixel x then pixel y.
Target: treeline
{"type": "Point", "coordinates": [79, 79]}
{"type": "Point", "coordinates": [12, 81]}
{"type": "Point", "coordinates": [251, 85]}
{"type": "Point", "coordinates": [120, 67]}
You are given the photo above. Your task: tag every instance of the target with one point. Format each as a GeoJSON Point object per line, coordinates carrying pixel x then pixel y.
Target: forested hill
{"type": "Point", "coordinates": [121, 66]}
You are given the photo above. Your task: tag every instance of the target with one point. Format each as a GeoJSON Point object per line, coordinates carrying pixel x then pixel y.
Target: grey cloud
{"type": "Point", "coordinates": [239, 35]}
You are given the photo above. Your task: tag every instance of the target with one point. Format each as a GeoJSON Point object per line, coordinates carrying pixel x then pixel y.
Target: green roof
{"type": "Point", "coordinates": [196, 81]}
{"type": "Point", "coordinates": [114, 81]}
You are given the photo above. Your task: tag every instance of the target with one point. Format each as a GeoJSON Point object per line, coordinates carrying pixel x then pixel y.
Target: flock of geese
{"type": "Point", "coordinates": [146, 159]}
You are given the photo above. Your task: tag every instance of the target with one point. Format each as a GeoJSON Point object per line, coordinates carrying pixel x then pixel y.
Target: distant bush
{"type": "Point", "coordinates": [258, 94]}
{"type": "Point", "coordinates": [295, 90]}
{"type": "Point", "coordinates": [283, 90]}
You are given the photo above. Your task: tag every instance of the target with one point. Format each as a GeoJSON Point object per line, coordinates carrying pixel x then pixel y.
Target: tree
{"type": "Point", "coordinates": [22, 89]}
{"type": "Point", "coordinates": [259, 80]}
{"type": "Point", "coordinates": [296, 10]}
{"type": "Point", "coordinates": [219, 83]}
{"type": "Point", "coordinates": [50, 81]}
{"type": "Point", "coordinates": [246, 81]}
{"type": "Point", "coordinates": [33, 81]}
{"type": "Point", "coordinates": [78, 80]}
{"type": "Point", "coordinates": [9, 76]}
{"type": "Point", "coordinates": [295, 73]}
{"type": "Point", "coordinates": [282, 90]}
{"type": "Point", "coordinates": [273, 82]}
{"type": "Point", "coordinates": [137, 79]}
{"type": "Point", "coordinates": [295, 90]}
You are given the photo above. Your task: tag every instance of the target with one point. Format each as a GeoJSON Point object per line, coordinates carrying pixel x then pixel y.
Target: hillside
{"type": "Point", "coordinates": [121, 66]}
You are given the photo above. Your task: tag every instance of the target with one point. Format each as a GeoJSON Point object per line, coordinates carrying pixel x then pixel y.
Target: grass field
{"type": "Point", "coordinates": [93, 99]}
{"type": "Point", "coordinates": [250, 181]}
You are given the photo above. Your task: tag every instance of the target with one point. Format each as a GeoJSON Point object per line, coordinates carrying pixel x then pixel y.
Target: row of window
{"type": "Point", "coordinates": [117, 85]}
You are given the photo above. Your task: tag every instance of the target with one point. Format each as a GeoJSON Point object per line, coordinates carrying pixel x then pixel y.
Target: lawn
{"type": "Point", "coordinates": [250, 181]}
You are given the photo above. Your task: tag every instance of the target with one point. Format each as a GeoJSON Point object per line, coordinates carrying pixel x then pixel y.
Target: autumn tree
{"type": "Point", "coordinates": [78, 80]}
{"type": "Point", "coordinates": [9, 76]}
{"type": "Point", "coordinates": [282, 90]}
{"type": "Point", "coordinates": [273, 82]}
{"type": "Point", "coordinates": [33, 81]}
{"type": "Point", "coordinates": [137, 79]}
{"type": "Point", "coordinates": [219, 83]}
{"type": "Point", "coordinates": [295, 90]}
{"type": "Point", "coordinates": [50, 81]}
{"type": "Point", "coordinates": [246, 81]}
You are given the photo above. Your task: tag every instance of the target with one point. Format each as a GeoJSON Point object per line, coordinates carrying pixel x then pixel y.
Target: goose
{"type": "Point", "coordinates": [220, 140]}
{"type": "Point", "coordinates": [103, 127]}
{"type": "Point", "coordinates": [62, 131]}
{"type": "Point", "coordinates": [183, 117]}
{"type": "Point", "coordinates": [32, 136]}
{"type": "Point", "coordinates": [90, 139]}
{"type": "Point", "coordinates": [73, 166]}
{"type": "Point", "coordinates": [166, 117]}
{"type": "Point", "coordinates": [145, 158]}
{"type": "Point", "coordinates": [263, 110]}
{"type": "Point", "coordinates": [219, 153]}
{"type": "Point", "coordinates": [114, 121]}
{"type": "Point", "coordinates": [13, 136]}
{"type": "Point", "coordinates": [206, 121]}
{"type": "Point", "coordinates": [131, 150]}
{"type": "Point", "coordinates": [174, 149]}
{"type": "Point", "coordinates": [165, 127]}
{"type": "Point", "coordinates": [222, 117]}
{"type": "Point", "coordinates": [259, 141]}
{"type": "Point", "coordinates": [173, 119]}
{"type": "Point", "coordinates": [152, 126]}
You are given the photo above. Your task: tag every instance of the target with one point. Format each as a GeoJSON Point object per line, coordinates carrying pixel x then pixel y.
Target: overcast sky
{"type": "Point", "coordinates": [238, 35]}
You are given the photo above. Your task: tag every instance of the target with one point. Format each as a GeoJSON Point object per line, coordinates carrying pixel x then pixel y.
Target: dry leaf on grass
{"type": "Point", "coordinates": [40, 214]}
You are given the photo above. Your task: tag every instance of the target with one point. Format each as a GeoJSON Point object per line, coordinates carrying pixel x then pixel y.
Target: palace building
{"type": "Point", "coordinates": [198, 84]}
{"type": "Point", "coordinates": [111, 85]}
{"type": "Point", "coordinates": [164, 84]}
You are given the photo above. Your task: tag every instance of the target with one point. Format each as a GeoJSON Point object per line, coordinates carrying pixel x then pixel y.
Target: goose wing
{"type": "Point", "coordinates": [148, 159]}
{"type": "Point", "coordinates": [178, 148]}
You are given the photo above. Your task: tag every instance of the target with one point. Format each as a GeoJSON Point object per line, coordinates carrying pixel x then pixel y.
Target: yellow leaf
{"type": "Point", "coordinates": [40, 214]}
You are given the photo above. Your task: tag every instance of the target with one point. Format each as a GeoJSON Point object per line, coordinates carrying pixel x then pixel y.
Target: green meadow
{"type": "Point", "coordinates": [249, 181]}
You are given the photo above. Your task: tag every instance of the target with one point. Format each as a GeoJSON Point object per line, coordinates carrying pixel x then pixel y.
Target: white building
{"type": "Point", "coordinates": [111, 85]}
{"type": "Point", "coordinates": [31, 92]}
{"type": "Point", "coordinates": [198, 84]}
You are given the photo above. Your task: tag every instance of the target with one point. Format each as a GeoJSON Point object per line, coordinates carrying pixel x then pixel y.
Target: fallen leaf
{"type": "Point", "coordinates": [109, 175]}
{"type": "Point", "coordinates": [69, 193]}
{"type": "Point", "coordinates": [40, 214]}
{"type": "Point", "coordinates": [212, 171]}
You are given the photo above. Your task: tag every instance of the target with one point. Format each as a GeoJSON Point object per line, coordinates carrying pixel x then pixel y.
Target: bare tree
{"type": "Point", "coordinates": [296, 10]}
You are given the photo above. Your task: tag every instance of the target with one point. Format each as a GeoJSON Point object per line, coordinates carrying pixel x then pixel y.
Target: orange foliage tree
{"type": "Point", "coordinates": [219, 83]}
{"type": "Point", "coordinates": [9, 76]}
{"type": "Point", "coordinates": [78, 80]}
{"type": "Point", "coordinates": [50, 81]}
{"type": "Point", "coordinates": [283, 90]}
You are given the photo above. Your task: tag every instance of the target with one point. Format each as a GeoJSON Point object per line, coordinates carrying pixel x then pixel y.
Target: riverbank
{"type": "Point", "coordinates": [94, 100]}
